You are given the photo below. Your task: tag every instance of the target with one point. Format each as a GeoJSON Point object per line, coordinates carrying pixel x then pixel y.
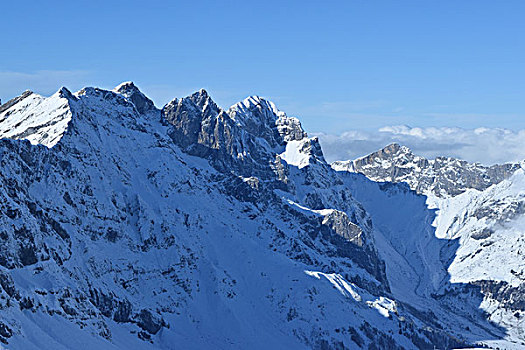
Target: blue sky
{"type": "Point", "coordinates": [338, 65]}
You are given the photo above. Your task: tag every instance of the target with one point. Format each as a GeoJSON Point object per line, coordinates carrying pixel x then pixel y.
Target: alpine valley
{"type": "Point", "coordinates": [125, 226]}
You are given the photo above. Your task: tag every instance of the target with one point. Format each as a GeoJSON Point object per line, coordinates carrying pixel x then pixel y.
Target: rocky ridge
{"type": "Point", "coordinates": [443, 176]}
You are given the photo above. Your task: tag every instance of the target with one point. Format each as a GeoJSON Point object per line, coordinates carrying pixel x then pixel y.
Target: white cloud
{"type": "Point", "coordinates": [484, 145]}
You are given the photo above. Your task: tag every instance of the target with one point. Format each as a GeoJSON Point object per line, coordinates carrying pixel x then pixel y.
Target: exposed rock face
{"type": "Point", "coordinates": [243, 139]}
{"type": "Point", "coordinates": [339, 222]}
{"type": "Point", "coordinates": [126, 226]}
{"type": "Point", "coordinates": [442, 176]}
{"type": "Point", "coordinates": [290, 128]}
{"type": "Point", "coordinates": [133, 94]}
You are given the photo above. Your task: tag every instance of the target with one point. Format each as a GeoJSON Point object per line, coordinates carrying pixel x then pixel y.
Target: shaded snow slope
{"type": "Point", "coordinates": [474, 223]}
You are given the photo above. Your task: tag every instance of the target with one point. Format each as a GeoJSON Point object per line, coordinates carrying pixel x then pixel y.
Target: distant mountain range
{"type": "Point", "coordinates": [125, 226]}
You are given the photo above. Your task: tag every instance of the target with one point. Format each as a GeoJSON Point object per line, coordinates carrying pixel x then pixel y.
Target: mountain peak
{"type": "Point", "coordinates": [204, 102]}
{"type": "Point", "coordinates": [202, 93]}
{"type": "Point", "coordinates": [127, 85]}
{"type": "Point", "coordinates": [255, 110]}
{"type": "Point", "coordinates": [64, 92]}
{"type": "Point", "coordinates": [395, 148]}
{"type": "Point", "coordinates": [40, 120]}
{"type": "Point", "coordinates": [255, 101]}
{"type": "Point", "coordinates": [15, 100]}
{"type": "Point", "coordinates": [132, 93]}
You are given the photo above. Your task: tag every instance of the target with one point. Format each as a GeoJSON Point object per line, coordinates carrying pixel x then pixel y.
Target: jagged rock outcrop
{"type": "Point", "coordinates": [341, 224]}
{"type": "Point", "coordinates": [132, 93]}
{"type": "Point", "coordinates": [244, 139]}
{"type": "Point", "coordinates": [443, 176]}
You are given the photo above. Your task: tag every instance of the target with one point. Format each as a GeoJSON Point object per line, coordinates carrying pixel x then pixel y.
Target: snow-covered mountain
{"type": "Point", "coordinates": [128, 226]}
{"type": "Point", "coordinates": [481, 209]}
{"type": "Point", "coordinates": [443, 176]}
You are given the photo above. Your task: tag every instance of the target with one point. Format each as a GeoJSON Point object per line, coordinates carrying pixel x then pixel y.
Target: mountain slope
{"type": "Point", "coordinates": [192, 226]}
{"type": "Point", "coordinates": [480, 209]}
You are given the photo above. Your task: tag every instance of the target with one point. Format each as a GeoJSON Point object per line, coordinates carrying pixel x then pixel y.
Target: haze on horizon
{"type": "Point", "coordinates": [445, 78]}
